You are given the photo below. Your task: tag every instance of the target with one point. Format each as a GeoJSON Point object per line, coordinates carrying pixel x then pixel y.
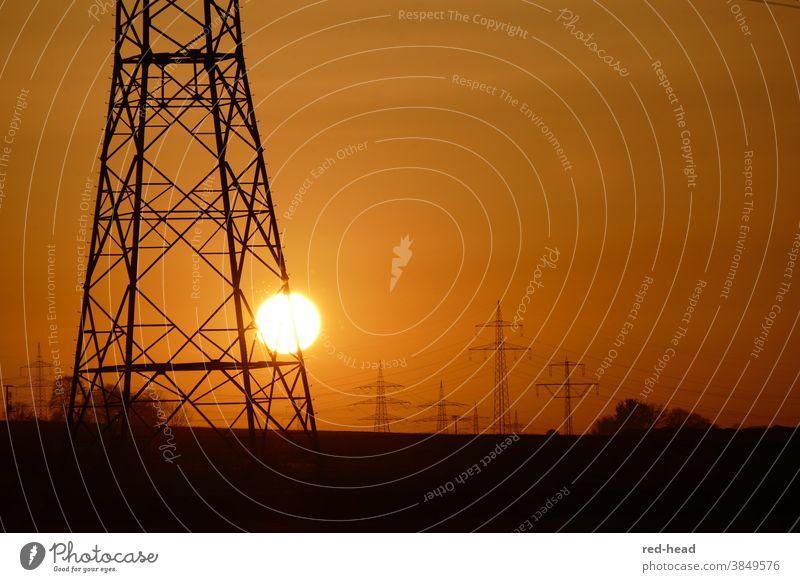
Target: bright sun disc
{"type": "Point", "coordinates": [274, 322]}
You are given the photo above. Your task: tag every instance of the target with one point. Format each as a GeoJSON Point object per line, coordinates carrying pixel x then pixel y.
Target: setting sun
{"type": "Point", "coordinates": [276, 328]}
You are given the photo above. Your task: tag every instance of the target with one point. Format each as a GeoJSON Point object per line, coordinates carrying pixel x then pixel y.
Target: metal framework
{"type": "Point", "coordinates": [443, 421]}
{"type": "Point", "coordinates": [441, 411]}
{"type": "Point", "coordinates": [185, 242]}
{"type": "Point", "coordinates": [40, 380]}
{"type": "Point", "coordinates": [567, 390]}
{"type": "Point", "coordinates": [499, 347]}
{"type": "Point", "coordinates": [8, 394]}
{"type": "Point", "coordinates": [381, 419]}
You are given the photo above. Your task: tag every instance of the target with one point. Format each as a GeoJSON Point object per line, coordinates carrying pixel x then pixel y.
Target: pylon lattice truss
{"type": "Point", "coordinates": [183, 189]}
{"type": "Point", "coordinates": [443, 421]}
{"type": "Point", "coordinates": [381, 419]}
{"type": "Point", "coordinates": [500, 406]}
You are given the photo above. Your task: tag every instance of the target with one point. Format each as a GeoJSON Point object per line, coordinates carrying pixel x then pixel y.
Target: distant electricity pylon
{"type": "Point", "coordinates": [7, 399]}
{"type": "Point", "coordinates": [476, 419]}
{"type": "Point", "coordinates": [381, 419]}
{"type": "Point", "coordinates": [38, 372]}
{"type": "Point", "coordinates": [183, 186]}
{"type": "Point", "coordinates": [567, 389]}
{"type": "Point", "coordinates": [499, 347]}
{"type": "Point", "coordinates": [441, 405]}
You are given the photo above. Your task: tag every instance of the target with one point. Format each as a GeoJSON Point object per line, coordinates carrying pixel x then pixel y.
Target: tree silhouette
{"type": "Point", "coordinates": [678, 418]}
{"type": "Point", "coordinates": [633, 415]}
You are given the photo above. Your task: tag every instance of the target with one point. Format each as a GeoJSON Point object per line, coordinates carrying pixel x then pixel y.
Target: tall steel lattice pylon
{"type": "Point", "coordinates": [499, 347]}
{"type": "Point", "coordinates": [381, 419]}
{"type": "Point", "coordinates": [567, 390]}
{"type": "Point", "coordinates": [185, 242]}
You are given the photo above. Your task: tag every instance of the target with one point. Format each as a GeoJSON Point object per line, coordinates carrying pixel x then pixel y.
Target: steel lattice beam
{"type": "Point", "coordinates": [183, 179]}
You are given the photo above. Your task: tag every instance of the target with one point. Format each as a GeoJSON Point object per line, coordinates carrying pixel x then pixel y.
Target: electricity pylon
{"type": "Point", "coordinates": [476, 419]}
{"type": "Point", "coordinates": [441, 405]}
{"type": "Point", "coordinates": [381, 419]}
{"type": "Point", "coordinates": [38, 372]}
{"type": "Point", "coordinates": [499, 347]}
{"type": "Point", "coordinates": [183, 185]}
{"type": "Point", "coordinates": [566, 388]}
{"type": "Point", "coordinates": [517, 425]}
{"type": "Point", "coordinates": [7, 399]}
{"type": "Point", "coordinates": [441, 410]}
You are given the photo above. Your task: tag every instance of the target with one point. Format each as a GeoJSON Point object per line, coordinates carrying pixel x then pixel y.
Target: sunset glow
{"type": "Point", "coordinates": [284, 321]}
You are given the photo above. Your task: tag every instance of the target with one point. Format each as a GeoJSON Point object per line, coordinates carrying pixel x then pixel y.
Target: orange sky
{"type": "Point", "coordinates": [378, 125]}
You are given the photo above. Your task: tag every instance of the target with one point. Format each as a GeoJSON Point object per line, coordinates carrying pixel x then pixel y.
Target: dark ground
{"type": "Point", "coordinates": [731, 480]}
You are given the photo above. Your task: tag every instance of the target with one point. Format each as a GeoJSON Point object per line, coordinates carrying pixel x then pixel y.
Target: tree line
{"type": "Point", "coordinates": [635, 415]}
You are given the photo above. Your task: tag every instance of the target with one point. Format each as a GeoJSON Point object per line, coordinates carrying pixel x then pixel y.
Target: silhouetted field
{"type": "Point", "coordinates": [720, 480]}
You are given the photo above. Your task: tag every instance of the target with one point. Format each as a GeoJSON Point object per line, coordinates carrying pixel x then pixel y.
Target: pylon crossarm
{"type": "Point", "coordinates": [501, 323]}
{"type": "Point", "coordinates": [484, 348]}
